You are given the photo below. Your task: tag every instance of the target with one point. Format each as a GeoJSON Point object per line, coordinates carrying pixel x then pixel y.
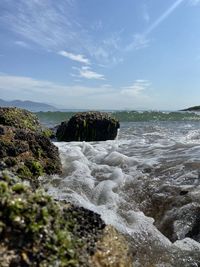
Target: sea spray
{"type": "Point", "coordinates": [146, 184]}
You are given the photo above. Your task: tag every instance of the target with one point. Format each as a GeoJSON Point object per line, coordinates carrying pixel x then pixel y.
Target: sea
{"type": "Point", "coordinates": [146, 183]}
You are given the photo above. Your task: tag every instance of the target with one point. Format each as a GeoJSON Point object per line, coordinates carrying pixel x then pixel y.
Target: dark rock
{"type": "Point", "coordinates": [28, 154]}
{"type": "Point", "coordinates": [88, 126]}
{"type": "Point", "coordinates": [36, 230]}
{"type": "Point", "coordinates": [183, 192]}
{"type": "Point", "coordinates": [33, 229]}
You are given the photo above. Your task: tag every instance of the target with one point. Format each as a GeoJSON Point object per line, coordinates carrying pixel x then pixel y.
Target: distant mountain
{"type": "Point", "coordinates": [195, 108]}
{"type": "Point", "coordinates": [29, 105]}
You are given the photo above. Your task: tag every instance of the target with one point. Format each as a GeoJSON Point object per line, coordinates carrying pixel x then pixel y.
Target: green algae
{"type": "Point", "coordinates": [88, 126]}
{"type": "Point", "coordinates": [47, 132]}
{"type": "Point", "coordinates": [28, 154]}
{"type": "Point", "coordinates": [19, 118]}
{"type": "Point", "coordinates": [24, 172]}
{"type": "Point", "coordinates": [33, 225]}
{"type": "Point", "coordinates": [35, 167]}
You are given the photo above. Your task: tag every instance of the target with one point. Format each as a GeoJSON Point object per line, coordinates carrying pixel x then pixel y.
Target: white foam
{"type": "Point", "coordinates": [122, 179]}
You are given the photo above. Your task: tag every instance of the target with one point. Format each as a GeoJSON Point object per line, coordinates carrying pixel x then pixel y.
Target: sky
{"type": "Point", "coordinates": [101, 54]}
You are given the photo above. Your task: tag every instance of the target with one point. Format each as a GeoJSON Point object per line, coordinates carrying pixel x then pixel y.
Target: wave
{"type": "Point", "coordinates": [52, 118]}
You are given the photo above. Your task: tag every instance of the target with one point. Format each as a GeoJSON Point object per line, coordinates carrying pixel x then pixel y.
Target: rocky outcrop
{"type": "Point", "coordinates": [19, 118]}
{"type": "Point", "coordinates": [88, 126]}
{"type": "Point", "coordinates": [36, 230]}
{"type": "Point", "coordinates": [25, 148]}
{"type": "Point", "coordinates": [23, 119]}
{"type": "Point", "coordinates": [27, 154]}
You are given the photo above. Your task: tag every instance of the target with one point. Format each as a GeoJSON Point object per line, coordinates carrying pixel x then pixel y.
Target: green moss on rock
{"type": "Point", "coordinates": [33, 228]}
{"type": "Point", "coordinates": [19, 118]}
{"type": "Point", "coordinates": [28, 154]}
{"type": "Point", "coordinates": [35, 167]}
{"type": "Point", "coordinates": [88, 126]}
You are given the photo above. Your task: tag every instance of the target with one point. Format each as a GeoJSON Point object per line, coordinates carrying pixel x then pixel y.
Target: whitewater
{"type": "Point", "coordinates": [146, 183]}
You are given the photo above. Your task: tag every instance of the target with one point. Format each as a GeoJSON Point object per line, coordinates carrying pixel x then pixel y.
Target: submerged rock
{"type": "Point", "coordinates": [27, 154]}
{"type": "Point", "coordinates": [112, 250]}
{"type": "Point", "coordinates": [88, 126]}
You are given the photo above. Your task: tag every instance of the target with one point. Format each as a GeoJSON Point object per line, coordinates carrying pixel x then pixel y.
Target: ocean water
{"type": "Point", "coordinates": [146, 183]}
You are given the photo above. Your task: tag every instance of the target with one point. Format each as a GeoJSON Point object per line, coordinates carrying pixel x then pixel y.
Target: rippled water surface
{"type": "Point", "coordinates": [146, 183]}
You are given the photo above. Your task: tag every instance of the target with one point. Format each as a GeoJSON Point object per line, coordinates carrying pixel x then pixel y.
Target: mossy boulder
{"type": "Point", "coordinates": [36, 230]}
{"type": "Point", "coordinates": [19, 118]}
{"type": "Point", "coordinates": [27, 154]}
{"type": "Point", "coordinates": [88, 126]}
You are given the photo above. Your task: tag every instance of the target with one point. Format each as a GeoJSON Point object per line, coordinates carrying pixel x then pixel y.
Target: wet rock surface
{"type": "Point", "coordinates": [36, 230]}
{"type": "Point", "coordinates": [27, 154]}
{"type": "Point", "coordinates": [88, 126]}
{"type": "Point", "coordinates": [19, 118]}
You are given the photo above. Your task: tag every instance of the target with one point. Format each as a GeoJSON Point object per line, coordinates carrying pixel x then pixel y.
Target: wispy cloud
{"type": "Point", "coordinates": [100, 97]}
{"type": "Point", "coordinates": [138, 88]}
{"type": "Point", "coordinates": [163, 17]}
{"type": "Point", "coordinates": [141, 40]}
{"type": "Point", "coordinates": [88, 73]}
{"type": "Point", "coordinates": [29, 87]}
{"type": "Point", "coordinates": [74, 57]}
{"type": "Point", "coordinates": [41, 22]}
{"type": "Point", "coordinates": [55, 26]}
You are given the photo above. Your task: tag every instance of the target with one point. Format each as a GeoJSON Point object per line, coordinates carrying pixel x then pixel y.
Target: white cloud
{"type": "Point", "coordinates": [138, 88]}
{"type": "Point", "coordinates": [41, 22]}
{"type": "Point", "coordinates": [56, 27]}
{"type": "Point", "coordinates": [163, 17]}
{"type": "Point", "coordinates": [139, 41]}
{"type": "Point", "coordinates": [22, 87]}
{"type": "Point", "coordinates": [78, 96]}
{"type": "Point", "coordinates": [90, 74]}
{"type": "Point", "coordinates": [74, 57]}
{"type": "Point", "coordinates": [87, 73]}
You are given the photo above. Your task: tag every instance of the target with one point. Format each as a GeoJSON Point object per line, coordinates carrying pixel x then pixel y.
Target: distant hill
{"type": "Point", "coordinates": [29, 105]}
{"type": "Point", "coordinates": [195, 108]}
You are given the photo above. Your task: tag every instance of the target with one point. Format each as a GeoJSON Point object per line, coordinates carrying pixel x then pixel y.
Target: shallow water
{"type": "Point", "coordinates": [146, 183]}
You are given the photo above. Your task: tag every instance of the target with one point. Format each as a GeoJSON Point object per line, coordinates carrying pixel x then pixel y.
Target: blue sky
{"type": "Point", "coordinates": [101, 54]}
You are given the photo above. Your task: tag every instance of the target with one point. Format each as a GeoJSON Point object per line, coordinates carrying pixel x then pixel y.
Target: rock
{"type": "Point", "coordinates": [19, 118]}
{"type": "Point", "coordinates": [28, 154]}
{"type": "Point", "coordinates": [112, 250]}
{"type": "Point", "coordinates": [88, 126]}
{"type": "Point", "coordinates": [36, 230]}
{"type": "Point", "coordinates": [23, 119]}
